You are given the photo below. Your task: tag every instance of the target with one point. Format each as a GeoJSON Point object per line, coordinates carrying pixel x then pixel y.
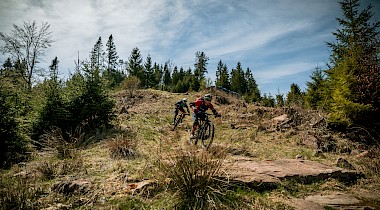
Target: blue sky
{"type": "Point", "coordinates": [281, 41]}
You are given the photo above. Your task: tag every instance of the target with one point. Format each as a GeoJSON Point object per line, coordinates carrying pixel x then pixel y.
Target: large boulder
{"type": "Point", "coordinates": [248, 171]}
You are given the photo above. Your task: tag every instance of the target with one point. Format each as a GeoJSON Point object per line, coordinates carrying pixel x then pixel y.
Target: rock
{"type": "Point", "coordinates": [280, 118]}
{"type": "Point", "coordinates": [69, 187]}
{"type": "Point", "coordinates": [59, 206]}
{"type": "Point", "coordinates": [22, 174]}
{"type": "Point", "coordinates": [363, 154]}
{"type": "Point", "coordinates": [249, 171]}
{"type": "Point", "coordinates": [336, 198]}
{"type": "Point", "coordinates": [356, 152]}
{"type": "Point", "coordinates": [343, 163]}
{"type": "Point", "coordinates": [139, 186]}
{"type": "Point", "coordinates": [301, 204]}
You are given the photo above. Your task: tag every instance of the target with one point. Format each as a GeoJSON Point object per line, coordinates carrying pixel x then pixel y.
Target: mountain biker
{"type": "Point", "coordinates": [179, 105]}
{"type": "Point", "coordinates": [200, 106]}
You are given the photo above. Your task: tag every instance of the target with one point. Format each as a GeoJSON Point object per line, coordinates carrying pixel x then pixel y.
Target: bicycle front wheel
{"type": "Point", "coordinates": [177, 121]}
{"type": "Point", "coordinates": [207, 135]}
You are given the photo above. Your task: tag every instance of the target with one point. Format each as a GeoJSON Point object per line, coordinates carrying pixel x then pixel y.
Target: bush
{"type": "Point", "coordinates": [91, 109]}
{"type": "Point", "coordinates": [131, 84]}
{"type": "Point", "coordinates": [55, 113]}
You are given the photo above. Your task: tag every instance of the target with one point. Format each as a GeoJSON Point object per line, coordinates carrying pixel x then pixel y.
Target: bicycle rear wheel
{"type": "Point", "coordinates": [207, 135]}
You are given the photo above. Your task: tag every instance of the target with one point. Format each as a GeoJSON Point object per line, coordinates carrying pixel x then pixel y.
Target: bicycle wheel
{"type": "Point", "coordinates": [177, 121]}
{"type": "Point", "coordinates": [199, 133]}
{"type": "Point", "coordinates": [207, 135]}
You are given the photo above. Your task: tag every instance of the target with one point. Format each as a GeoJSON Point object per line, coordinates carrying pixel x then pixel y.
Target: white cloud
{"type": "Point", "coordinates": [276, 38]}
{"type": "Point", "coordinates": [270, 74]}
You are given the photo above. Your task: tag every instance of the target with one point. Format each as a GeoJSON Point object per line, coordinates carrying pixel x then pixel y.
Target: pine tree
{"type": "Point", "coordinates": [135, 66]}
{"type": "Point", "coordinates": [13, 145]}
{"type": "Point", "coordinates": [294, 96]}
{"type": "Point", "coordinates": [149, 72]}
{"type": "Point", "coordinates": [167, 80]}
{"type": "Point", "coordinates": [93, 108]}
{"type": "Point", "coordinates": [267, 100]}
{"type": "Point", "coordinates": [7, 67]}
{"type": "Point", "coordinates": [111, 54]}
{"type": "Point", "coordinates": [175, 77]}
{"type": "Point", "coordinates": [225, 78]}
{"type": "Point", "coordinates": [354, 76]}
{"type": "Point", "coordinates": [201, 61]}
{"type": "Point", "coordinates": [280, 102]}
{"type": "Point", "coordinates": [157, 71]}
{"type": "Point", "coordinates": [74, 86]}
{"type": "Point", "coordinates": [96, 54]}
{"type": "Point", "coordinates": [315, 92]}
{"type": "Point", "coordinates": [181, 73]}
{"type": "Point", "coordinates": [55, 113]}
{"type": "Point", "coordinates": [238, 81]}
{"type": "Point", "coordinates": [218, 73]}
{"type": "Point", "coordinates": [188, 79]}
{"type": "Point", "coordinates": [252, 89]}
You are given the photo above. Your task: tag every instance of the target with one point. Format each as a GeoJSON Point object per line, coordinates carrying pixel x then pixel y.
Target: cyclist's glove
{"type": "Point", "coordinates": [216, 114]}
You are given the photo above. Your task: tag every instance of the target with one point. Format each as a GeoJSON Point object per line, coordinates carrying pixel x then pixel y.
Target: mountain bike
{"type": "Point", "coordinates": [179, 119]}
{"type": "Point", "coordinates": [205, 132]}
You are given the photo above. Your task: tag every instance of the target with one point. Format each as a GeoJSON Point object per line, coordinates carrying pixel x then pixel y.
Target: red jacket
{"type": "Point", "coordinates": [201, 106]}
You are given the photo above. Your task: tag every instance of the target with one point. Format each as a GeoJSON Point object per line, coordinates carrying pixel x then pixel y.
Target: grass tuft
{"type": "Point", "coordinates": [122, 147]}
{"type": "Point", "coordinates": [65, 143]}
{"type": "Point", "coordinates": [18, 192]}
{"type": "Point", "coordinates": [193, 178]}
{"type": "Point", "coordinates": [370, 164]}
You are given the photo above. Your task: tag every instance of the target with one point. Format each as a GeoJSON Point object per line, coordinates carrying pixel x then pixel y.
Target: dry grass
{"type": "Point", "coordinates": [18, 192]}
{"type": "Point", "coordinates": [193, 180]}
{"type": "Point", "coordinates": [64, 143]}
{"type": "Point", "coordinates": [122, 147]}
{"type": "Point", "coordinates": [145, 134]}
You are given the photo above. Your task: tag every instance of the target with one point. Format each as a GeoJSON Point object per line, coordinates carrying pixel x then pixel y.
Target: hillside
{"type": "Point", "coordinates": [268, 158]}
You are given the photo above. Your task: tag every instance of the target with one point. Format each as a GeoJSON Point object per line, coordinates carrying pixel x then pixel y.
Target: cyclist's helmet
{"type": "Point", "coordinates": [184, 100]}
{"type": "Point", "coordinates": [208, 97]}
